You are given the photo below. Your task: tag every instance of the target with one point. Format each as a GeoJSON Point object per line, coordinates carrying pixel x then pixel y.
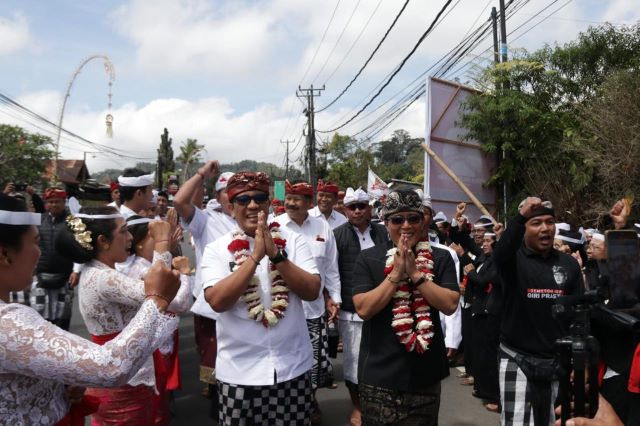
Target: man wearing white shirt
{"type": "Point", "coordinates": [135, 191]}
{"type": "Point", "coordinates": [319, 236]}
{"type": "Point", "coordinates": [205, 227]}
{"type": "Point", "coordinates": [351, 238]}
{"type": "Point", "coordinates": [256, 279]}
{"type": "Point", "coordinates": [327, 197]}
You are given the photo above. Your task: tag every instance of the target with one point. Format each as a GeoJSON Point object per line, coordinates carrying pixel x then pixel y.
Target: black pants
{"type": "Point", "coordinates": [486, 339]}
{"type": "Point", "coordinates": [467, 341]}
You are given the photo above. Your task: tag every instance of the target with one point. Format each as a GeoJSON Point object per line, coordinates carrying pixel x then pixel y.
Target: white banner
{"type": "Point", "coordinates": [376, 187]}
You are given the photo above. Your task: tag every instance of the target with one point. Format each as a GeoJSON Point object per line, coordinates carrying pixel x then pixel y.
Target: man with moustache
{"type": "Point", "coordinates": [256, 278]}
{"type": "Point", "coordinates": [400, 287]}
{"type": "Point", "coordinates": [327, 197]}
{"type": "Point", "coordinates": [319, 236]}
{"type": "Point", "coordinates": [351, 238]}
{"type": "Point", "coordinates": [533, 276]}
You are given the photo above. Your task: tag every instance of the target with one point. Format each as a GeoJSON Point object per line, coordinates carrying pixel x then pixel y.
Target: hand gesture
{"type": "Point", "coordinates": [210, 169]}
{"type": "Point", "coordinates": [576, 256]}
{"type": "Point", "coordinates": [398, 271]}
{"type": "Point", "coordinates": [530, 205]}
{"type": "Point", "coordinates": [409, 260]}
{"type": "Point", "coordinates": [498, 229]}
{"type": "Point", "coordinates": [172, 218]}
{"type": "Point", "coordinates": [333, 308]}
{"type": "Point", "coordinates": [9, 188]}
{"type": "Point", "coordinates": [181, 263]}
{"type": "Point", "coordinates": [159, 230]}
{"type": "Point", "coordinates": [260, 248]}
{"type": "Point", "coordinates": [162, 281]}
{"type": "Point", "coordinates": [176, 238]}
{"type": "Point", "coordinates": [457, 248]}
{"type": "Point", "coordinates": [620, 212]}
{"type": "Point", "coordinates": [460, 208]}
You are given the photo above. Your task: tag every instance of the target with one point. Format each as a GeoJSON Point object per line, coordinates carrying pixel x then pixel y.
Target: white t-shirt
{"type": "Point", "coordinates": [248, 352]}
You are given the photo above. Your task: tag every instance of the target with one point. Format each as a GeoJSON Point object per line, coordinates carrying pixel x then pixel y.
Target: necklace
{"type": "Point", "coordinates": [411, 320]}
{"type": "Point", "coordinates": [269, 317]}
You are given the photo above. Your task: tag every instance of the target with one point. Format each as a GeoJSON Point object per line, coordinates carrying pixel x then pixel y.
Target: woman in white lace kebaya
{"type": "Point", "coordinates": [39, 361]}
{"type": "Point", "coordinates": [143, 248]}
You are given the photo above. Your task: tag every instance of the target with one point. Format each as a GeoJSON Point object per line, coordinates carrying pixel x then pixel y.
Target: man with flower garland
{"type": "Point", "coordinates": [256, 278]}
{"type": "Point", "coordinates": [399, 290]}
{"type": "Point", "coordinates": [319, 236]}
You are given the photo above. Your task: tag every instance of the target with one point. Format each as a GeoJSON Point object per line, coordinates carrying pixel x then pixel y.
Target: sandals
{"type": "Point", "coordinates": [493, 407]}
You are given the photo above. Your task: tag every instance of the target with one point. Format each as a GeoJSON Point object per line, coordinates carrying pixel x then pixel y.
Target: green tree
{"type": "Point", "coordinates": [397, 157]}
{"type": "Point", "coordinates": [189, 155]}
{"type": "Point", "coordinates": [536, 118]}
{"type": "Point", "coordinates": [23, 154]}
{"type": "Point", "coordinates": [166, 164]}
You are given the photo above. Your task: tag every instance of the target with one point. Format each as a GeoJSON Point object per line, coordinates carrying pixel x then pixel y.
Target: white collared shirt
{"type": "Point", "coordinates": [335, 219]}
{"type": "Point", "coordinates": [248, 352]}
{"type": "Point", "coordinates": [126, 211]}
{"type": "Point", "coordinates": [206, 227]}
{"type": "Point", "coordinates": [319, 236]}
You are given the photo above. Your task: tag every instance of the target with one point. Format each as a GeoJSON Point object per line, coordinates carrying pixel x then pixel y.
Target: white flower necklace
{"type": "Point", "coordinates": [411, 320]}
{"type": "Point", "coordinates": [269, 317]}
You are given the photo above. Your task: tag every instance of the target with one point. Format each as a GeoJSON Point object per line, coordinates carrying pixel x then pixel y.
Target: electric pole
{"type": "Point", "coordinates": [309, 94]}
{"type": "Point", "coordinates": [286, 169]}
{"type": "Point", "coordinates": [505, 85]}
{"type": "Point", "coordinates": [494, 23]}
{"type": "Point", "coordinates": [503, 32]}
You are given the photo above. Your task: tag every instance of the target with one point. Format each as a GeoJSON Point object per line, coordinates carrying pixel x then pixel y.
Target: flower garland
{"type": "Point", "coordinates": [269, 317]}
{"type": "Point", "coordinates": [411, 321]}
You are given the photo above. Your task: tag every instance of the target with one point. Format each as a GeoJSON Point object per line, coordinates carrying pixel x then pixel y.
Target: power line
{"type": "Point", "coordinates": [384, 37]}
{"type": "Point", "coordinates": [404, 61]}
{"type": "Point", "coordinates": [353, 12]}
{"type": "Point", "coordinates": [321, 41]}
{"type": "Point", "coordinates": [346, 55]}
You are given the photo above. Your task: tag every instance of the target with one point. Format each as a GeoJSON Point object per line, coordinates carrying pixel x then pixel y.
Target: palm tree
{"type": "Point", "coordinates": [189, 155]}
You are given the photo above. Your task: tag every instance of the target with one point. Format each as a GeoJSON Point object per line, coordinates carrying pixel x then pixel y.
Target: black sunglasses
{"type": "Point", "coordinates": [245, 200]}
{"type": "Point", "coordinates": [357, 206]}
{"type": "Point", "coordinates": [413, 219]}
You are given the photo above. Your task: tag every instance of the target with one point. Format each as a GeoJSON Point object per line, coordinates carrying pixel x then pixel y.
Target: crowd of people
{"type": "Point", "coordinates": [410, 291]}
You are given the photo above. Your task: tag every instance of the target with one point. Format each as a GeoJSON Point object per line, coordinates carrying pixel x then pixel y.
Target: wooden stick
{"type": "Point", "coordinates": [457, 180]}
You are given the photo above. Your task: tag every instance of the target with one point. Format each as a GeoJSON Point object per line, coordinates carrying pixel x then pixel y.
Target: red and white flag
{"type": "Point", "coordinates": [376, 187]}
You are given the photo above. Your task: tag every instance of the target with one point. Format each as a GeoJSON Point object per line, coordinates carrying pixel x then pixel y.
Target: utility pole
{"type": "Point", "coordinates": [286, 169]}
{"type": "Point", "coordinates": [309, 94]}
{"type": "Point", "coordinates": [494, 23]}
{"type": "Point", "coordinates": [503, 32]}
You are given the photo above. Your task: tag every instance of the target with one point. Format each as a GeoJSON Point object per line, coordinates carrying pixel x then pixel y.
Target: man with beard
{"type": "Point", "coordinates": [52, 296]}
{"type": "Point", "coordinates": [256, 278]}
{"type": "Point", "coordinates": [351, 238]}
{"type": "Point", "coordinates": [318, 235]}
{"type": "Point", "coordinates": [327, 197]}
{"type": "Point", "coordinates": [533, 275]}
{"type": "Point", "coordinates": [399, 289]}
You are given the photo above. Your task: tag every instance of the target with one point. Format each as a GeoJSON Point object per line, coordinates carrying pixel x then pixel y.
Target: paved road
{"type": "Point", "coordinates": [458, 407]}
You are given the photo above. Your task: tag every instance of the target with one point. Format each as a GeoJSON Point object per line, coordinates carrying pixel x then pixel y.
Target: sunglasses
{"type": "Point", "coordinates": [413, 219]}
{"type": "Point", "coordinates": [245, 200]}
{"type": "Point", "coordinates": [357, 206]}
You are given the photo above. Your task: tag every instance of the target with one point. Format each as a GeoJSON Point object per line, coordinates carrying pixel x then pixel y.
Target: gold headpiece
{"type": "Point", "coordinates": [80, 233]}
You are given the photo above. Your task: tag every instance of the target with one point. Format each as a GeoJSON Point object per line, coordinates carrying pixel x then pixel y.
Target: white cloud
{"type": "Point", "coordinates": [622, 12]}
{"type": "Point", "coordinates": [227, 136]}
{"type": "Point", "coordinates": [14, 33]}
{"type": "Point", "coordinates": [193, 36]}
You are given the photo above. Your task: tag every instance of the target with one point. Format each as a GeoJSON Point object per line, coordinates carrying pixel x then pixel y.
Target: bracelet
{"type": "Point", "coordinates": [146, 296]}
{"type": "Point", "coordinates": [163, 241]}
{"type": "Point", "coordinates": [393, 282]}
{"type": "Point", "coordinates": [254, 260]}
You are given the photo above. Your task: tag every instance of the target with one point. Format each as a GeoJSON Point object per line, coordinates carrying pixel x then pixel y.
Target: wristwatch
{"type": "Point", "coordinates": [422, 279]}
{"type": "Point", "coordinates": [279, 257]}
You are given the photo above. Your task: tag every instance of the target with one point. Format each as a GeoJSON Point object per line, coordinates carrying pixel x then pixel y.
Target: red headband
{"type": "Point", "coordinates": [51, 193]}
{"type": "Point", "coordinates": [327, 187]}
{"type": "Point", "coordinates": [302, 188]}
{"type": "Point", "coordinates": [247, 181]}
{"type": "Point", "coordinates": [113, 186]}
{"type": "Point", "coordinates": [275, 202]}
{"type": "Point", "coordinates": [341, 195]}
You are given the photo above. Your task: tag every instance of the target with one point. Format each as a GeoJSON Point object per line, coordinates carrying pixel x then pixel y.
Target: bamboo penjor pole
{"type": "Point", "coordinates": [457, 180]}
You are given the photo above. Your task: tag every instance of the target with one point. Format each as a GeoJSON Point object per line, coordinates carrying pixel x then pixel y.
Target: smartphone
{"type": "Point", "coordinates": [623, 255]}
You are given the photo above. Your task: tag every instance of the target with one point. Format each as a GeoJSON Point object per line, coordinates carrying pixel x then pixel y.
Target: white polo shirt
{"type": "Point", "coordinates": [335, 219]}
{"type": "Point", "coordinates": [248, 352]}
{"type": "Point", "coordinates": [319, 236]}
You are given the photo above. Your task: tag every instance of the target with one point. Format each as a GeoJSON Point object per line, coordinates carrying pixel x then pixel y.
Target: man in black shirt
{"type": "Point", "coordinates": [402, 354]}
{"type": "Point", "coordinates": [534, 275]}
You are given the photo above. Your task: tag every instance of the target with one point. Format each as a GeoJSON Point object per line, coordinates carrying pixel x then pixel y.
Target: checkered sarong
{"type": "Point", "coordinates": [54, 305]}
{"type": "Point", "coordinates": [283, 404]}
{"type": "Point", "coordinates": [322, 370]}
{"type": "Point", "coordinates": [516, 393]}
